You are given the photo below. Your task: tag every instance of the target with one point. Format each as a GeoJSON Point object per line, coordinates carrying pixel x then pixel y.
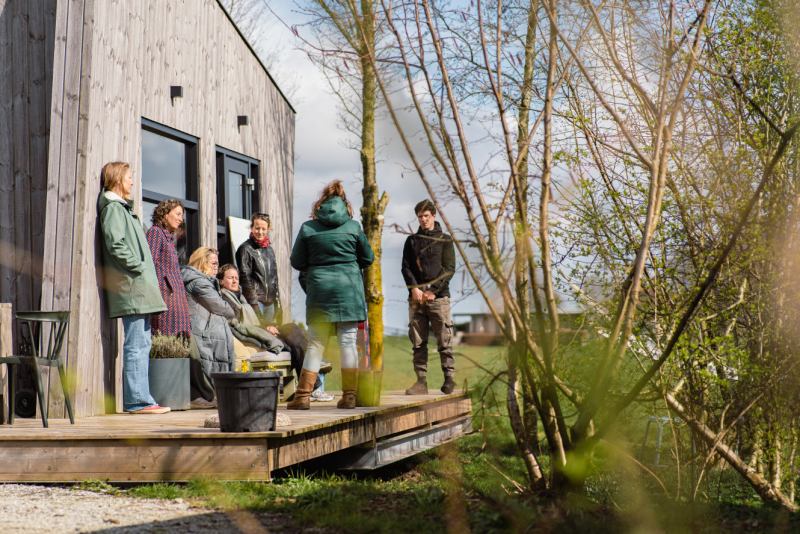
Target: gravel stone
{"type": "Point", "coordinates": [40, 509]}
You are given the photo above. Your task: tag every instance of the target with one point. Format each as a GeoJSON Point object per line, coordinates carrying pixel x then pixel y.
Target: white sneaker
{"type": "Point", "coordinates": [319, 395]}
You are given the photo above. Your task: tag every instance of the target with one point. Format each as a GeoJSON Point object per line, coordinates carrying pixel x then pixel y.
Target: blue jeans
{"type": "Point", "coordinates": [265, 313]}
{"type": "Point", "coordinates": [318, 334]}
{"type": "Point", "coordinates": [136, 363]}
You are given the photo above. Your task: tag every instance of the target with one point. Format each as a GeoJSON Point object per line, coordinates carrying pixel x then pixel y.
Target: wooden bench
{"type": "Point", "coordinates": [262, 361]}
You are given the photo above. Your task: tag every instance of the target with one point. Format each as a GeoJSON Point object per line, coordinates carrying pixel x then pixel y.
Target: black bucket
{"type": "Point", "coordinates": [247, 402]}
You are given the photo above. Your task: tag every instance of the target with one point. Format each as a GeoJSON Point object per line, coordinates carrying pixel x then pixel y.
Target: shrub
{"type": "Point", "coordinates": [169, 347]}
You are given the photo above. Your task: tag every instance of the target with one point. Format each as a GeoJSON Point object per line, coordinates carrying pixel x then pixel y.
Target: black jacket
{"type": "Point", "coordinates": [258, 274]}
{"type": "Point", "coordinates": [429, 261]}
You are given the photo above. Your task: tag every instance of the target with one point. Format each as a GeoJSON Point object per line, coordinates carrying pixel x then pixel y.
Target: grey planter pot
{"type": "Point", "coordinates": [169, 382]}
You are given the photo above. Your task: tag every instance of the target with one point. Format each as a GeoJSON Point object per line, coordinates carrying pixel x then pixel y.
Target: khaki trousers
{"type": "Point", "coordinates": [437, 314]}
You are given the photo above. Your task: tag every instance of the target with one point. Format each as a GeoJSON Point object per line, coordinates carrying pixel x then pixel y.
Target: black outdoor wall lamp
{"type": "Point", "coordinates": [175, 91]}
{"type": "Point", "coordinates": [242, 120]}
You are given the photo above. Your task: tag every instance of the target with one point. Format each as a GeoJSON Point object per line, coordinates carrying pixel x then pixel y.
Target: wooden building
{"type": "Point", "coordinates": [170, 86]}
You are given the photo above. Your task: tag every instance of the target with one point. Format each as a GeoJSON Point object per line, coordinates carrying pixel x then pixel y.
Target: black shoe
{"type": "Point", "coordinates": [448, 386]}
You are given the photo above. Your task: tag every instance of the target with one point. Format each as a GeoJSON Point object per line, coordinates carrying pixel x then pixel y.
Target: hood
{"type": "Point", "coordinates": [333, 212]}
{"type": "Point", "coordinates": [191, 276]}
{"type": "Point", "coordinates": [107, 197]}
{"type": "Point", "coordinates": [437, 229]}
{"type": "Point", "coordinates": [233, 297]}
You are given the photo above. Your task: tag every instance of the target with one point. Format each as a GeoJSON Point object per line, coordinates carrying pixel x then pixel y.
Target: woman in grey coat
{"type": "Point", "coordinates": [209, 313]}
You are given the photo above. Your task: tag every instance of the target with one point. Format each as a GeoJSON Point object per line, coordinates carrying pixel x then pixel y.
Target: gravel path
{"type": "Point", "coordinates": [35, 509]}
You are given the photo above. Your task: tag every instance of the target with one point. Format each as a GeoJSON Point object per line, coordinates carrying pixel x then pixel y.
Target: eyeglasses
{"type": "Point", "coordinates": [259, 214]}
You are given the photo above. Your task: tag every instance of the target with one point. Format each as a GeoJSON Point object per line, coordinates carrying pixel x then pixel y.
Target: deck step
{"type": "Point", "coordinates": [407, 444]}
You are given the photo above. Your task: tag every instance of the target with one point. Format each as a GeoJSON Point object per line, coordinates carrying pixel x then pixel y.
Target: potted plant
{"type": "Point", "coordinates": [169, 371]}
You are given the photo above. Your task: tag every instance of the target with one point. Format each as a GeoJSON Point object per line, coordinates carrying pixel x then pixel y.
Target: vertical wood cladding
{"type": "Point", "coordinates": [113, 64]}
{"type": "Point", "coordinates": [27, 39]}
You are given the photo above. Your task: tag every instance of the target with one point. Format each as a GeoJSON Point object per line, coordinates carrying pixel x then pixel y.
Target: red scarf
{"type": "Point", "coordinates": [264, 243]}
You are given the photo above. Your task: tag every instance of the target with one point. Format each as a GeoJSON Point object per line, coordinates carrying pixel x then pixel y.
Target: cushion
{"type": "Point", "coordinates": [265, 356]}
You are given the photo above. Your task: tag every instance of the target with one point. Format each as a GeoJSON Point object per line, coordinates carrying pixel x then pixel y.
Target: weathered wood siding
{"type": "Point", "coordinates": [27, 40]}
{"type": "Point", "coordinates": [115, 61]}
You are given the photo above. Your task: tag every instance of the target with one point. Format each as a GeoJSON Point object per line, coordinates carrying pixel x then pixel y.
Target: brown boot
{"type": "Point", "coordinates": [349, 387]}
{"type": "Point", "coordinates": [305, 385]}
{"type": "Point", "coordinates": [420, 387]}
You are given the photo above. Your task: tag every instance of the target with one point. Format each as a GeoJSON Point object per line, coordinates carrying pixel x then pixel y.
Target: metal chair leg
{"type": "Point", "coordinates": [11, 394]}
{"type": "Point", "coordinates": [63, 376]}
{"type": "Point", "coordinates": [40, 394]}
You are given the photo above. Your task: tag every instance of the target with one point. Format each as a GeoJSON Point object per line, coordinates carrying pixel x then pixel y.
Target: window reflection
{"type": "Point", "coordinates": [147, 214]}
{"type": "Point", "coordinates": [163, 165]}
{"type": "Point", "coordinates": [236, 201]}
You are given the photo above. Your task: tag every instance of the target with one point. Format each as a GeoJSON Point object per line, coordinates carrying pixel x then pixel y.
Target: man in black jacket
{"type": "Point", "coordinates": [429, 261]}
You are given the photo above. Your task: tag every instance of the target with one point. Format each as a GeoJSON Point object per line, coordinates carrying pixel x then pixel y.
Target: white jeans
{"type": "Point", "coordinates": [318, 335]}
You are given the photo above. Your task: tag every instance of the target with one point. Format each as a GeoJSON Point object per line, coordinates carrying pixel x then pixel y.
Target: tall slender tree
{"type": "Point", "coordinates": [344, 39]}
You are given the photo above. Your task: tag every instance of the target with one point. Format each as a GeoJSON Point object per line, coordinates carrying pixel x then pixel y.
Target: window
{"type": "Point", "coordinates": [169, 170]}
{"type": "Point", "coordinates": [237, 195]}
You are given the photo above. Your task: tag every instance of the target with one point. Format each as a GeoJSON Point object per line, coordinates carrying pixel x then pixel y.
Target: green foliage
{"type": "Point", "coordinates": [169, 347]}
{"type": "Point", "coordinates": [97, 486]}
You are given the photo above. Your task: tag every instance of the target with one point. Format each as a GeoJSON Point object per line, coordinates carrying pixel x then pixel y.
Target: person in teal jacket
{"type": "Point", "coordinates": [332, 250]}
{"type": "Point", "coordinates": [131, 284]}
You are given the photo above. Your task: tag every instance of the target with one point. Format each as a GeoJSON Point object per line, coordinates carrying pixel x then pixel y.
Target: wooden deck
{"type": "Point", "coordinates": [176, 446]}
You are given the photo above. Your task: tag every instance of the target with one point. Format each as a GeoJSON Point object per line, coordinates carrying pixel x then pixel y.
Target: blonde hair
{"type": "Point", "coordinates": [113, 173]}
{"type": "Point", "coordinates": [333, 189]}
{"type": "Point", "coordinates": [199, 259]}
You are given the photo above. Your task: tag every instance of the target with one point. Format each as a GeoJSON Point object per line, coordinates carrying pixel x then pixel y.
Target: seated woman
{"type": "Point", "coordinates": [209, 314]}
{"type": "Point", "coordinates": [246, 328]}
{"type": "Point", "coordinates": [258, 271]}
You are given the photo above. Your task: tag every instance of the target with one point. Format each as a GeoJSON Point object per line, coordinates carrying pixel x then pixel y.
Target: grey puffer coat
{"type": "Point", "coordinates": [210, 314]}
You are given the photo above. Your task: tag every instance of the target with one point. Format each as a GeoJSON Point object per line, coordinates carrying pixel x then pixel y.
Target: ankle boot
{"type": "Point", "coordinates": [420, 387]}
{"type": "Point", "coordinates": [449, 385]}
{"type": "Point", "coordinates": [305, 385]}
{"type": "Point", "coordinates": [349, 387]}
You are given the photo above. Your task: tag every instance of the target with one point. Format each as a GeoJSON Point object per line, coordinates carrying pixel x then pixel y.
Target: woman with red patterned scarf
{"type": "Point", "coordinates": [258, 272]}
{"type": "Point", "coordinates": [167, 218]}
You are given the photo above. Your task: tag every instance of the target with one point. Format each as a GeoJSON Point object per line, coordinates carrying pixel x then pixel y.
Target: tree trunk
{"type": "Point", "coordinates": [512, 401]}
{"type": "Point", "coordinates": [374, 204]}
{"type": "Point", "coordinates": [530, 421]}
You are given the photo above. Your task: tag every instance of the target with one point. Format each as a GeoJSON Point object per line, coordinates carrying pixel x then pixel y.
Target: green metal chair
{"type": "Point", "coordinates": [52, 358]}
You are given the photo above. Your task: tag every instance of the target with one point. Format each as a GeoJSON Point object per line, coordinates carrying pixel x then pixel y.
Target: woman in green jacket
{"type": "Point", "coordinates": [131, 284]}
{"type": "Point", "coordinates": [332, 250]}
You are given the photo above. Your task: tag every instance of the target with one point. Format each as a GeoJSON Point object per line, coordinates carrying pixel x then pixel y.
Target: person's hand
{"type": "Point", "coordinates": [429, 296]}
{"type": "Point", "coordinates": [417, 295]}
{"type": "Point", "coordinates": [272, 330]}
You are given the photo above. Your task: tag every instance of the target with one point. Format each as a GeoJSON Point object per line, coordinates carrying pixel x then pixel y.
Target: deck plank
{"type": "Point", "coordinates": [176, 446]}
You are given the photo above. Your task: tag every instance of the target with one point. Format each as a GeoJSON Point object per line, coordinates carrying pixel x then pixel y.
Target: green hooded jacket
{"type": "Point", "coordinates": [332, 249]}
{"type": "Point", "coordinates": [130, 277]}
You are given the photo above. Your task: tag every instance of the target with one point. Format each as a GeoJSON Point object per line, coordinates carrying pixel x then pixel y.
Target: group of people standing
{"type": "Point", "coordinates": [220, 310]}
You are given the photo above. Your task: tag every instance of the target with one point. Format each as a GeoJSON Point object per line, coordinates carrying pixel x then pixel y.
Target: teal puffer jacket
{"type": "Point", "coordinates": [129, 275]}
{"type": "Point", "coordinates": [332, 249]}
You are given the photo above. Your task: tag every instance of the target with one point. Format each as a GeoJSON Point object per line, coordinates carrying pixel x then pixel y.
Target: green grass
{"type": "Point", "coordinates": [398, 369]}
{"type": "Point", "coordinates": [454, 488]}
{"type": "Point", "coordinates": [473, 484]}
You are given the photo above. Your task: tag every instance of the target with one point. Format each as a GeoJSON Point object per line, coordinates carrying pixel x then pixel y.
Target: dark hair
{"type": "Point", "coordinates": [425, 205]}
{"type": "Point", "coordinates": [225, 268]}
{"type": "Point", "coordinates": [163, 209]}
{"type": "Point", "coordinates": [333, 189]}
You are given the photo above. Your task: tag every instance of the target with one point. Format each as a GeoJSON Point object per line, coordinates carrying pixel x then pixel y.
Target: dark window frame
{"type": "Point", "coordinates": [191, 202]}
{"type": "Point", "coordinates": [254, 206]}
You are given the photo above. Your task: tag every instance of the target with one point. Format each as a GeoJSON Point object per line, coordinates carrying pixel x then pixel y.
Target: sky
{"type": "Point", "coordinates": [322, 156]}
